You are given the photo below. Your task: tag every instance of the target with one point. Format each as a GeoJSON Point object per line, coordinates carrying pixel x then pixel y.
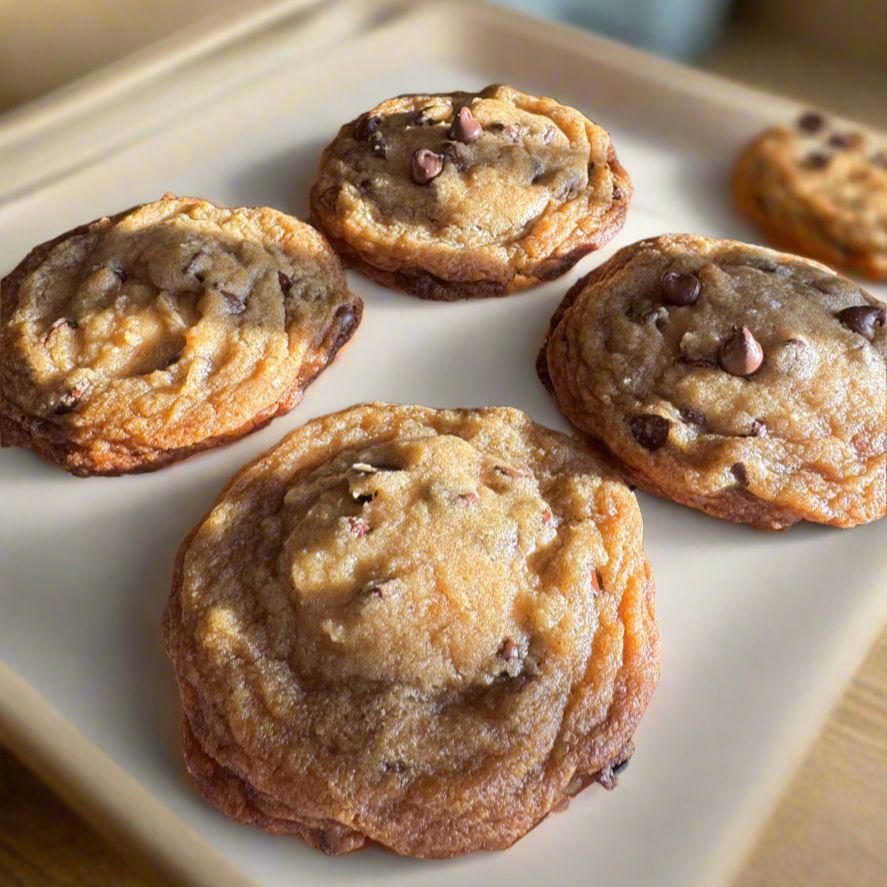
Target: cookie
{"type": "Point", "coordinates": [731, 378]}
{"type": "Point", "coordinates": [469, 195]}
{"type": "Point", "coordinates": [819, 189]}
{"type": "Point", "coordinates": [443, 629]}
{"type": "Point", "coordinates": [138, 340]}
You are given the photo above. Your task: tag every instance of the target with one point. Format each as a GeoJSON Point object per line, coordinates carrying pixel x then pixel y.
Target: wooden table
{"type": "Point", "coordinates": [828, 831]}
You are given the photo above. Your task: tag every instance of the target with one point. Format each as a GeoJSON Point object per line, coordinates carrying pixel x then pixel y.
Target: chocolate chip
{"type": "Point", "coordinates": [817, 160]}
{"type": "Point", "coordinates": [380, 149]}
{"type": "Point", "coordinates": [470, 498]}
{"type": "Point", "coordinates": [513, 131]}
{"type": "Point", "coordinates": [358, 526]}
{"type": "Point", "coordinates": [68, 401]}
{"type": "Point", "coordinates": [740, 473]}
{"type": "Point", "coordinates": [847, 141]}
{"type": "Point", "coordinates": [452, 155]}
{"type": "Point", "coordinates": [425, 166]}
{"type": "Point", "coordinates": [649, 430]}
{"type": "Point", "coordinates": [56, 326]}
{"type": "Point", "coordinates": [509, 649]}
{"type": "Point", "coordinates": [621, 767]}
{"type": "Point", "coordinates": [549, 134]}
{"type": "Point", "coordinates": [597, 581]}
{"type": "Point", "coordinates": [285, 281]}
{"type": "Point", "coordinates": [618, 193]}
{"type": "Point", "coordinates": [234, 303]}
{"type": "Point", "coordinates": [366, 126]}
{"type": "Point", "coordinates": [680, 289]}
{"type": "Point", "coordinates": [862, 319]}
{"type": "Point", "coordinates": [422, 118]}
{"type": "Point", "coordinates": [465, 127]}
{"type": "Point", "coordinates": [192, 263]}
{"type": "Point", "coordinates": [365, 184]}
{"type": "Point", "coordinates": [759, 429]}
{"type": "Point", "coordinates": [811, 121]}
{"type": "Point", "coordinates": [694, 417]}
{"type": "Point", "coordinates": [741, 354]}
{"type": "Point", "coordinates": [705, 363]}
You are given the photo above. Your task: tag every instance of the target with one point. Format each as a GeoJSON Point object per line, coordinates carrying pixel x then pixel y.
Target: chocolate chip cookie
{"type": "Point", "coordinates": [740, 381]}
{"type": "Point", "coordinates": [424, 629]}
{"type": "Point", "coordinates": [469, 195]}
{"type": "Point", "coordinates": [819, 189]}
{"type": "Point", "coordinates": [138, 340]}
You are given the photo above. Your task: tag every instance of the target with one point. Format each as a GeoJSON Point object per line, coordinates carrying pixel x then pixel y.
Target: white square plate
{"type": "Point", "coordinates": [760, 631]}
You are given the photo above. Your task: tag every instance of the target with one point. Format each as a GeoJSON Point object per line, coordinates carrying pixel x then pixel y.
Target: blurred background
{"type": "Point", "coordinates": [830, 52]}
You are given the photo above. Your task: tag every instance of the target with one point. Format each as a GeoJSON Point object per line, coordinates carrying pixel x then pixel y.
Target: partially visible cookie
{"type": "Point", "coordinates": [138, 340]}
{"type": "Point", "coordinates": [819, 189]}
{"type": "Point", "coordinates": [467, 195]}
{"type": "Point", "coordinates": [740, 381]}
{"type": "Point", "coordinates": [444, 629]}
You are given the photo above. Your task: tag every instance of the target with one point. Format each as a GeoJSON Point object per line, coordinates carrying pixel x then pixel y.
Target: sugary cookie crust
{"type": "Point", "coordinates": [522, 203]}
{"type": "Point", "coordinates": [443, 629]}
{"type": "Point", "coordinates": [138, 340]}
{"type": "Point", "coordinates": [802, 438]}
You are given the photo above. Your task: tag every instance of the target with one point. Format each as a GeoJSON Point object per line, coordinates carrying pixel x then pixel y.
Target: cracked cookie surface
{"type": "Point", "coordinates": [444, 628]}
{"type": "Point", "coordinates": [138, 340]}
{"type": "Point", "coordinates": [469, 194]}
{"type": "Point", "coordinates": [819, 189]}
{"type": "Point", "coordinates": [746, 383]}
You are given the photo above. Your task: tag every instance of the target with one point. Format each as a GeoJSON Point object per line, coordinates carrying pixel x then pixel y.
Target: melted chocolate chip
{"type": "Point", "coordinates": [513, 131]}
{"type": "Point", "coordinates": [680, 289]}
{"type": "Point", "coordinates": [693, 417]}
{"type": "Point", "coordinates": [740, 473]}
{"type": "Point", "coordinates": [618, 193]}
{"type": "Point", "coordinates": [549, 134]}
{"type": "Point", "coordinates": [358, 526]}
{"type": "Point", "coordinates": [465, 127]}
{"type": "Point", "coordinates": [817, 160]}
{"type": "Point", "coordinates": [425, 166]}
{"type": "Point", "coordinates": [759, 429]}
{"type": "Point", "coordinates": [621, 767]}
{"type": "Point", "coordinates": [235, 306]}
{"type": "Point", "coordinates": [650, 431]}
{"type": "Point", "coordinates": [847, 141]}
{"type": "Point", "coordinates": [811, 122]}
{"type": "Point", "coordinates": [56, 326]}
{"type": "Point", "coordinates": [741, 354]}
{"type": "Point", "coordinates": [365, 185]}
{"type": "Point", "coordinates": [192, 263]}
{"type": "Point", "coordinates": [422, 118]}
{"type": "Point", "coordinates": [509, 650]}
{"type": "Point", "coordinates": [862, 319]}
{"type": "Point", "coordinates": [68, 401]}
{"type": "Point", "coordinates": [285, 281]}
{"type": "Point", "coordinates": [470, 498]}
{"type": "Point", "coordinates": [366, 126]}
{"type": "Point", "coordinates": [452, 155]}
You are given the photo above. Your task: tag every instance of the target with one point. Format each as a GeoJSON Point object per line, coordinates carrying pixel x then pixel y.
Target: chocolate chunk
{"type": "Point", "coordinates": [452, 155]}
{"type": "Point", "coordinates": [380, 149]}
{"type": "Point", "coordinates": [862, 319]}
{"type": "Point", "coordinates": [285, 281]}
{"type": "Point", "coordinates": [425, 166]}
{"type": "Point", "coordinates": [549, 134]}
{"type": "Point", "coordinates": [234, 303]}
{"type": "Point", "coordinates": [465, 127]}
{"type": "Point", "coordinates": [597, 581]}
{"type": "Point", "coordinates": [621, 767]}
{"type": "Point", "coordinates": [693, 417]}
{"type": "Point", "coordinates": [817, 160]}
{"type": "Point", "coordinates": [509, 650]}
{"type": "Point", "coordinates": [759, 429]}
{"type": "Point", "coordinates": [811, 121]}
{"type": "Point", "coordinates": [56, 326]}
{"type": "Point", "coordinates": [740, 473]}
{"type": "Point", "coordinates": [422, 118]}
{"type": "Point", "coordinates": [513, 131]}
{"type": "Point", "coordinates": [68, 401]}
{"type": "Point", "coordinates": [358, 526]}
{"type": "Point", "coordinates": [618, 193]}
{"type": "Point", "coordinates": [847, 141]}
{"type": "Point", "coordinates": [741, 354]}
{"type": "Point", "coordinates": [680, 289]}
{"type": "Point", "coordinates": [649, 430]}
{"type": "Point", "coordinates": [366, 126]}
